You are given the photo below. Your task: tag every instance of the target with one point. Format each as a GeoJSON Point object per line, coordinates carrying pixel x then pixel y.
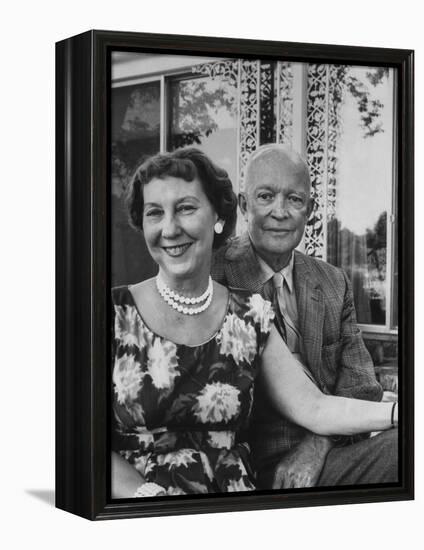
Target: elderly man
{"type": "Point", "coordinates": [316, 317]}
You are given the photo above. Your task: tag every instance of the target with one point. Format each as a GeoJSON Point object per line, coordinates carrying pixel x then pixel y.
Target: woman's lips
{"type": "Point", "coordinates": [177, 250]}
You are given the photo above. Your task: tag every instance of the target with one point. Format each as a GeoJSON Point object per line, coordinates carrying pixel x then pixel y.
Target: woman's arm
{"type": "Point", "coordinates": [296, 397]}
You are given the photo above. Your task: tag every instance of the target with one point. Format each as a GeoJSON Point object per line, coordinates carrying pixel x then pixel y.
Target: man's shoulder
{"type": "Point", "coordinates": [219, 264]}
{"type": "Point", "coordinates": [220, 253]}
{"type": "Point", "coordinates": [235, 264]}
{"type": "Point", "coordinates": [318, 264]}
{"type": "Point", "coordinates": [320, 269]}
{"type": "Point", "coordinates": [233, 249]}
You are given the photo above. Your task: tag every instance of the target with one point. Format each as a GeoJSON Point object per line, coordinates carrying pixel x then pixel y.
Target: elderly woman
{"type": "Point", "coordinates": [187, 350]}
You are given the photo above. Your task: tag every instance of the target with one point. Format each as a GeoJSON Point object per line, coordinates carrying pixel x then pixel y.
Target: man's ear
{"type": "Point", "coordinates": [311, 205]}
{"type": "Point", "coordinates": [242, 202]}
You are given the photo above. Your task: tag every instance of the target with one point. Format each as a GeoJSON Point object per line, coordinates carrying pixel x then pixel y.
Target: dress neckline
{"type": "Point", "coordinates": [212, 337]}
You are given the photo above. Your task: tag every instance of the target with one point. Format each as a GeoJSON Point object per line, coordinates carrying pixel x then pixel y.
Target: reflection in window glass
{"type": "Point", "coordinates": [135, 129]}
{"type": "Point", "coordinates": [204, 115]}
{"type": "Point", "coordinates": [357, 226]}
{"type": "Point", "coordinates": [135, 136]}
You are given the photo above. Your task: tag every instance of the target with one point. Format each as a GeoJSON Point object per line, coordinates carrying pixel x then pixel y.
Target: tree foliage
{"type": "Point", "coordinates": [369, 108]}
{"type": "Point", "coordinates": [195, 105]}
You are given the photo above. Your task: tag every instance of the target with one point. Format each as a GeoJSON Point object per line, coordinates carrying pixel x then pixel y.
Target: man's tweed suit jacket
{"type": "Point", "coordinates": [333, 348]}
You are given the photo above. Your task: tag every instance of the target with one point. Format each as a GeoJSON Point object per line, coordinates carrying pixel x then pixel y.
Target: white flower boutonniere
{"type": "Point", "coordinates": [261, 312]}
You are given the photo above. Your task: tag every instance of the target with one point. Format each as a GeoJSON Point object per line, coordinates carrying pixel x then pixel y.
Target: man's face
{"type": "Point", "coordinates": [276, 206]}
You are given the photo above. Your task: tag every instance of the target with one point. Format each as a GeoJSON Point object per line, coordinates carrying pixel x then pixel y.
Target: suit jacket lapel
{"type": "Point", "coordinates": [310, 305]}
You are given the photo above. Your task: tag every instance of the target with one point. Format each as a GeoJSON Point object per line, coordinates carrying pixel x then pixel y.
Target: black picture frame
{"type": "Point", "coordinates": [82, 271]}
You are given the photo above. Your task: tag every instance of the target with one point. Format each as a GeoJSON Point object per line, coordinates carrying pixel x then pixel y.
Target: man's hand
{"type": "Point", "coordinates": [302, 466]}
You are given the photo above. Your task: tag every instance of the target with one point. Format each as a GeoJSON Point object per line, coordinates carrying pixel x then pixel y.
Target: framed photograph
{"type": "Point", "coordinates": [234, 275]}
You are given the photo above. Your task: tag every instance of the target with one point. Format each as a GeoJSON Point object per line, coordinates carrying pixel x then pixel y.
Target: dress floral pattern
{"type": "Point", "coordinates": [180, 413]}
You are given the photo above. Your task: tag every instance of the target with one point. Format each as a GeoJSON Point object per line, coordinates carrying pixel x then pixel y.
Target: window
{"type": "Point", "coordinates": [359, 186]}
{"type": "Point", "coordinates": [135, 136]}
{"type": "Point", "coordinates": [203, 113]}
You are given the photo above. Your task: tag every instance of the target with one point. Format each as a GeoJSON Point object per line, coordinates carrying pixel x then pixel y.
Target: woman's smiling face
{"type": "Point", "coordinates": [178, 225]}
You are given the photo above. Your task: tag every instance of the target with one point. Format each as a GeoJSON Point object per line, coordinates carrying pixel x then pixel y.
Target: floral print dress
{"type": "Point", "coordinates": [180, 413]}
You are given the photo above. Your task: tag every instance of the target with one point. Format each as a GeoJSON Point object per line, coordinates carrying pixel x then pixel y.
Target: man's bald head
{"type": "Point", "coordinates": [275, 157]}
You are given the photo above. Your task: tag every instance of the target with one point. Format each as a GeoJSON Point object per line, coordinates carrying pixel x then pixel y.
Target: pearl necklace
{"type": "Point", "coordinates": [172, 298]}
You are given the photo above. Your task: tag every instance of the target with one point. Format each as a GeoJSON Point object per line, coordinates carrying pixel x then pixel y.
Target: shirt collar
{"type": "Point", "coordinates": [287, 273]}
{"type": "Point", "coordinates": [267, 272]}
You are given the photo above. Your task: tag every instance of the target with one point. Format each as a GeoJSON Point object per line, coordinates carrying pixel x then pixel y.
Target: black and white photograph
{"type": "Point", "coordinates": [253, 275]}
{"type": "Point", "coordinates": [211, 231]}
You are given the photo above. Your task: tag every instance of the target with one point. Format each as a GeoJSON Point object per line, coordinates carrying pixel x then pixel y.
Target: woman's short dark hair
{"type": "Point", "coordinates": [186, 164]}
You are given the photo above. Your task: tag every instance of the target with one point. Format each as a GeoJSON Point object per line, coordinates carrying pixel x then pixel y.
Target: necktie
{"type": "Point", "coordinates": [273, 291]}
{"type": "Point", "coordinates": [269, 292]}
{"type": "Point", "coordinates": [292, 334]}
